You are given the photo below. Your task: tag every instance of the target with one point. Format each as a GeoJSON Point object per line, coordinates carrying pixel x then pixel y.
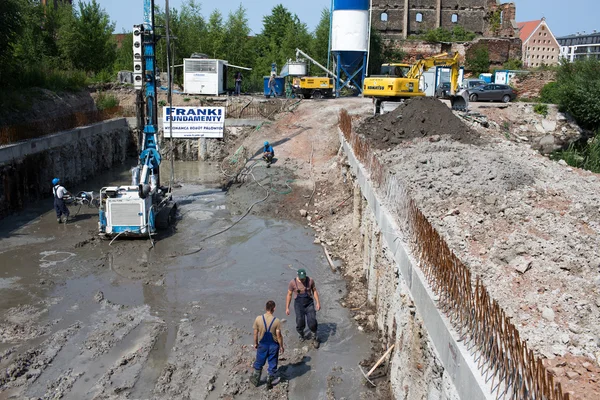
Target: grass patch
{"type": "Point", "coordinates": [584, 156]}
{"type": "Point", "coordinates": [186, 99]}
{"type": "Point", "coordinates": [105, 101]}
{"type": "Point", "coordinates": [541, 109]}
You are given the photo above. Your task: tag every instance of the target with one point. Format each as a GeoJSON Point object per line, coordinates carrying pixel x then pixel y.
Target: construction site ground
{"type": "Point", "coordinates": [86, 319]}
{"type": "Point", "coordinates": [527, 225]}
{"type": "Point", "coordinates": [83, 319]}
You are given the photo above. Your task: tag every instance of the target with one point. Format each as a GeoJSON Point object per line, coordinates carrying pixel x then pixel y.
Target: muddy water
{"type": "Point", "coordinates": [168, 308]}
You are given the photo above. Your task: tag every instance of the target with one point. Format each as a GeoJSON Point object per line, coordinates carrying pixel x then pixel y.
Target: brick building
{"type": "Point", "coordinates": [398, 19]}
{"type": "Point", "coordinates": [540, 47]}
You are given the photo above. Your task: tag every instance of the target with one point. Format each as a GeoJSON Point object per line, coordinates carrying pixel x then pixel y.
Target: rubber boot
{"type": "Point", "coordinates": [255, 378]}
{"type": "Point", "coordinates": [316, 342]}
{"type": "Point", "coordinates": [271, 380]}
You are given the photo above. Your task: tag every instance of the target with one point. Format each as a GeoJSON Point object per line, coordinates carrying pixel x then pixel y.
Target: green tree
{"type": "Point", "coordinates": [236, 40]}
{"type": "Point", "coordinates": [11, 25]}
{"type": "Point", "coordinates": [124, 57]}
{"type": "Point", "coordinates": [578, 91]}
{"type": "Point", "coordinates": [85, 38]}
{"type": "Point", "coordinates": [282, 33]}
{"type": "Point", "coordinates": [382, 53]}
{"type": "Point", "coordinates": [320, 44]}
{"type": "Point", "coordinates": [513, 64]}
{"type": "Point", "coordinates": [214, 42]}
{"type": "Point", "coordinates": [478, 60]}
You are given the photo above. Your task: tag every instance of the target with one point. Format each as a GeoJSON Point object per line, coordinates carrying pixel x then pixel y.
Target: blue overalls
{"type": "Point", "coordinates": [305, 309]}
{"type": "Point", "coordinates": [59, 204]}
{"type": "Point", "coordinates": [268, 349]}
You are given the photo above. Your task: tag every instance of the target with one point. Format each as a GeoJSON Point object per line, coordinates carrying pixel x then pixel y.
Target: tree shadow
{"type": "Point", "coordinates": [282, 141]}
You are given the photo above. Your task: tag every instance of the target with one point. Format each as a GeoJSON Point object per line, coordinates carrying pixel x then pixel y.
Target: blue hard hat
{"type": "Point", "coordinates": [266, 143]}
{"type": "Point", "coordinates": [55, 181]}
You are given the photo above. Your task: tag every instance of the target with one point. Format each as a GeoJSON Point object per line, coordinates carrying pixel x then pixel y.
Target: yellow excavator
{"type": "Point", "coordinates": [402, 81]}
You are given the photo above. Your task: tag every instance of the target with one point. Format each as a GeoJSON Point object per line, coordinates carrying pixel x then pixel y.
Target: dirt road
{"type": "Point", "coordinates": [82, 319]}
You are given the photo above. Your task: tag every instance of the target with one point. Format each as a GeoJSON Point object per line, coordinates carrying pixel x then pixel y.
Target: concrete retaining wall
{"type": "Point", "coordinates": [429, 361]}
{"type": "Point", "coordinates": [27, 169]}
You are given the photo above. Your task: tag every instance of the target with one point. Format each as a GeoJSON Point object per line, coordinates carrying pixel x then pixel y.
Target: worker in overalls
{"type": "Point", "coordinates": [306, 304]}
{"type": "Point", "coordinates": [268, 343]}
{"type": "Point", "coordinates": [59, 192]}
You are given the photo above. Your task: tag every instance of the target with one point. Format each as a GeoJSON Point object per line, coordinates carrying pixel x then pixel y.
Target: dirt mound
{"type": "Point", "coordinates": [416, 118]}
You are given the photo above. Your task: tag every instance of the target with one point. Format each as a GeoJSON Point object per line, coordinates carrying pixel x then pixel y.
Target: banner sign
{"type": "Point", "coordinates": [194, 122]}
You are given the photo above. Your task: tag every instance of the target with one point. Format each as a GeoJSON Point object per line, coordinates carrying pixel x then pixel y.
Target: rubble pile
{"type": "Point", "coordinates": [419, 117]}
{"type": "Point", "coordinates": [528, 226]}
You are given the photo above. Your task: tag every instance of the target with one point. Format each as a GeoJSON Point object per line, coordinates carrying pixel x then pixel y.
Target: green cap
{"type": "Point", "coordinates": [302, 273]}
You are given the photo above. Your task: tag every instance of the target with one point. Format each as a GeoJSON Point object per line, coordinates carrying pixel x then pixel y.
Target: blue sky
{"type": "Point", "coordinates": [564, 17]}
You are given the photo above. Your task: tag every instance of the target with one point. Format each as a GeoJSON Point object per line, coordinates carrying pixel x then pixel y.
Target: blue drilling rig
{"type": "Point", "coordinates": [139, 209]}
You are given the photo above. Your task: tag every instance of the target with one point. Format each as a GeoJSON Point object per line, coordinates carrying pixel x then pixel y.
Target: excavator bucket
{"type": "Point", "coordinates": [460, 101]}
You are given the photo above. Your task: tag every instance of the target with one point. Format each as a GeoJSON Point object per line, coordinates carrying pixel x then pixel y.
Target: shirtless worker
{"type": "Point", "coordinates": [306, 304]}
{"type": "Point", "coordinates": [268, 343]}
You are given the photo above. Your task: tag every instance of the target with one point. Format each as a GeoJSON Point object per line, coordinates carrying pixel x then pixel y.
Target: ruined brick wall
{"type": "Point", "coordinates": [500, 49]}
{"type": "Point", "coordinates": [396, 19]}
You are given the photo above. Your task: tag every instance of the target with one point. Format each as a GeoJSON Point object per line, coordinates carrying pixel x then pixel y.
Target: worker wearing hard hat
{"type": "Point", "coordinates": [268, 154]}
{"type": "Point", "coordinates": [60, 207]}
{"type": "Point", "coordinates": [306, 304]}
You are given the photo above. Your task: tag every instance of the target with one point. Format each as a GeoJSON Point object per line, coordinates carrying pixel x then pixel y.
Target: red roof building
{"type": "Point", "coordinates": [539, 44]}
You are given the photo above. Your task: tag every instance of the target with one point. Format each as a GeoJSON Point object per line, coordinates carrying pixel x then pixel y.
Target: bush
{"type": "Point", "coordinates": [104, 76]}
{"type": "Point", "coordinates": [513, 64]}
{"type": "Point", "coordinates": [478, 60]}
{"type": "Point", "coordinates": [104, 101]}
{"type": "Point", "coordinates": [541, 109]}
{"type": "Point", "coordinates": [55, 80]}
{"type": "Point", "coordinates": [458, 34]}
{"type": "Point", "coordinates": [585, 156]}
{"type": "Point", "coordinates": [578, 91]}
{"type": "Point", "coordinates": [550, 93]}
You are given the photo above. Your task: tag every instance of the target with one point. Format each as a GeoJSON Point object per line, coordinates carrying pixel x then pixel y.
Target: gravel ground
{"type": "Point", "coordinates": [527, 225]}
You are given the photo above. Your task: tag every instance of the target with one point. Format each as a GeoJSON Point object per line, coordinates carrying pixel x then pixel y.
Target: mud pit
{"type": "Point", "coordinates": [85, 320]}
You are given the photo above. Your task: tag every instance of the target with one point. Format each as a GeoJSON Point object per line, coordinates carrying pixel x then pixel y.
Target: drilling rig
{"type": "Point", "coordinates": [139, 209]}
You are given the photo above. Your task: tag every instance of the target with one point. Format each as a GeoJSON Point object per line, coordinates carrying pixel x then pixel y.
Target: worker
{"type": "Point", "coordinates": [268, 343]}
{"type": "Point", "coordinates": [306, 304]}
{"type": "Point", "coordinates": [60, 207]}
{"type": "Point", "coordinates": [238, 83]}
{"type": "Point", "coordinates": [268, 154]}
{"type": "Point", "coordinates": [272, 86]}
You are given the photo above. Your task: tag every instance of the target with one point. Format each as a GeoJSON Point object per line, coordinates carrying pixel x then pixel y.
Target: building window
{"type": "Point", "coordinates": [419, 17]}
{"type": "Point", "coordinates": [454, 18]}
{"type": "Point", "coordinates": [384, 17]}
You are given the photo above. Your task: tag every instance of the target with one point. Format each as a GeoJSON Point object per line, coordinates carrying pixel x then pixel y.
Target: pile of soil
{"type": "Point", "coordinates": [416, 118]}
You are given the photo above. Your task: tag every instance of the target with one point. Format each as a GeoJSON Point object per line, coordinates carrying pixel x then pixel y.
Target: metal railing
{"type": "Point", "coordinates": [494, 342]}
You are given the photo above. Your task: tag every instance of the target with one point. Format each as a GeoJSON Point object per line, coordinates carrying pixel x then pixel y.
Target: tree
{"type": "Point", "coordinates": [578, 91]}
{"type": "Point", "coordinates": [478, 60]}
{"type": "Point", "coordinates": [124, 57]}
{"type": "Point", "coordinates": [215, 36]}
{"type": "Point", "coordinates": [85, 38]}
{"type": "Point", "coordinates": [320, 44]}
{"type": "Point", "coordinates": [513, 64]}
{"type": "Point", "coordinates": [236, 38]}
{"type": "Point", "coordinates": [382, 53]}
{"type": "Point", "coordinates": [11, 25]}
